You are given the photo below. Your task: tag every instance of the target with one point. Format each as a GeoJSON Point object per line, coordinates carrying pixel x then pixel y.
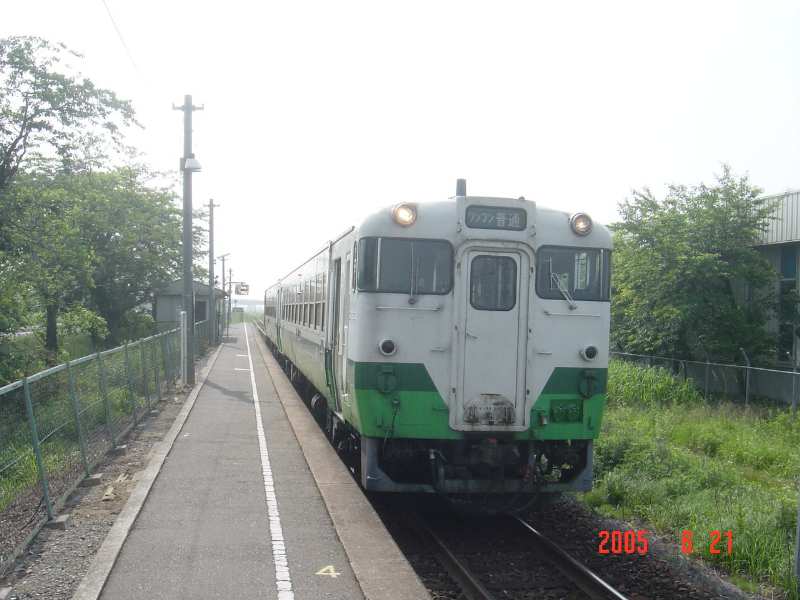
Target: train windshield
{"type": "Point", "coordinates": [573, 273]}
{"type": "Point", "coordinates": [405, 266]}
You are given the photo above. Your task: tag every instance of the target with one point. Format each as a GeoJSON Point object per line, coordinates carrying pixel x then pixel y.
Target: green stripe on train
{"type": "Point", "coordinates": [401, 400]}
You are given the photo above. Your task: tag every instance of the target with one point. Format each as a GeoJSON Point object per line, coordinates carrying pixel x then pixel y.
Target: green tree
{"type": "Point", "coordinates": [104, 240]}
{"type": "Point", "coordinates": [46, 245]}
{"type": "Point", "coordinates": [48, 113]}
{"type": "Point", "coordinates": [48, 110]}
{"type": "Point", "coordinates": [134, 232]}
{"type": "Point", "coordinates": [687, 278]}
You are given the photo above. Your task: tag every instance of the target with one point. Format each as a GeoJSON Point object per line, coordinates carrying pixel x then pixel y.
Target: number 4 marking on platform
{"type": "Point", "coordinates": [330, 571]}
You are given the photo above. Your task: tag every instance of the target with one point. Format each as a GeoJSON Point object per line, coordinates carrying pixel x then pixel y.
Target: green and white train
{"type": "Point", "coordinates": [458, 347]}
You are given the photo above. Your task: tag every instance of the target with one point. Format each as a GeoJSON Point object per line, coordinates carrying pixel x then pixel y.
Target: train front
{"type": "Point", "coordinates": [478, 347]}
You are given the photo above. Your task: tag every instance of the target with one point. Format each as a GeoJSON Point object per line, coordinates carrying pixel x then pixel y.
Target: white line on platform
{"type": "Point", "coordinates": [240, 369]}
{"type": "Point", "coordinates": [242, 355]}
{"type": "Point", "coordinates": [283, 580]}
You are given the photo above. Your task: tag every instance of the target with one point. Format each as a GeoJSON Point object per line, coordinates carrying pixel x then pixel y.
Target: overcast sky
{"type": "Point", "coordinates": [317, 112]}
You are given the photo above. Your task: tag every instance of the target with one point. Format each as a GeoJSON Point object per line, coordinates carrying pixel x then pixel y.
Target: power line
{"type": "Point", "coordinates": [121, 39]}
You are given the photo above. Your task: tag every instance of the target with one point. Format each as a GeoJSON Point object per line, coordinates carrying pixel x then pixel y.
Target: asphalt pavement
{"type": "Point", "coordinates": [235, 511]}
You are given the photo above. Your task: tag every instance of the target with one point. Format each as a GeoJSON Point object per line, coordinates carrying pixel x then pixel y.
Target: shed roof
{"type": "Point", "coordinates": [785, 224]}
{"type": "Point", "coordinates": [175, 288]}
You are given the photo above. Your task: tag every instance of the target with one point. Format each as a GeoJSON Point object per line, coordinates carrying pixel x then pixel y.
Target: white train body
{"type": "Point", "coordinates": [466, 351]}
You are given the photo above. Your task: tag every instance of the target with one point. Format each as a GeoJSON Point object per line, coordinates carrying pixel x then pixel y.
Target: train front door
{"type": "Point", "coordinates": [493, 340]}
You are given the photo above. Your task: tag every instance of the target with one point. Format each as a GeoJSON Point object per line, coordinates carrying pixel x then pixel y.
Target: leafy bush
{"type": "Point", "coordinates": [137, 324]}
{"type": "Point", "coordinates": [630, 384]}
{"type": "Point", "coordinates": [78, 320]}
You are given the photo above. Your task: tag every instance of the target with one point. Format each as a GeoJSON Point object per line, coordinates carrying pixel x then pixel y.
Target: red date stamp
{"type": "Point", "coordinates": [623, 542]}
{"type": "Point", "coordinates": [718, 542]}
{"type": "Point", "coordinates": [631, 541]}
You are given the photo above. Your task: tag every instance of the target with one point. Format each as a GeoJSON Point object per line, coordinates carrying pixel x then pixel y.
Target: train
{"type": "Point", "coordinates": [457, 347]}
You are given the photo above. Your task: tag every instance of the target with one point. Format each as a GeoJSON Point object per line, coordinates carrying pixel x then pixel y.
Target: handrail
{"type": "Point", "coordinates": [701, 362]}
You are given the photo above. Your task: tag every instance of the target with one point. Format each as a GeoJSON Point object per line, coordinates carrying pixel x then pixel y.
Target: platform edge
{"type": "Point", "coordinates": [94, 581]}
{"type": "Point", "coordinates": [389, 577]}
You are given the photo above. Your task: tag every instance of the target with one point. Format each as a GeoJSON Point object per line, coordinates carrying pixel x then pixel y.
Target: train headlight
{"type": "Point", "coordinates": [581, 223]}
{"type": "Point", "coordinates": [589, 353]}
{"type": "Point", "coordinates": [405, 214]}
{"type": "Point", "coordinates": [387, 347]}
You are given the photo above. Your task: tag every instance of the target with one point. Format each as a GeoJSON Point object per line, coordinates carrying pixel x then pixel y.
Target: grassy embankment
{"type": "Point", "coordinates": [670, 459]}
{"type": "Point", "coordinates": [26, 354]}
{"type": "Point", "coordinates": [56, 424]}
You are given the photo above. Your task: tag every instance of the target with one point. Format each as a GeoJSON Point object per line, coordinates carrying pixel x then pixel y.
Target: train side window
{"type": "Point", "coordinates": [493, 282]}
{"type": "Point", "coordinates": [312, 299]}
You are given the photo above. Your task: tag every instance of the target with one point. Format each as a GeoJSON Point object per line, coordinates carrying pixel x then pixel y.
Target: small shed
{"type": "Point", "coordinates": [780, 245]}
{"type": "Point", "coordinates": [168, 302]}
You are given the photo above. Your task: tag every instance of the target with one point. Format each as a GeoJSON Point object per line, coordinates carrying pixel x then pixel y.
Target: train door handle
{"type": "Point", "coordinates": [469, 335]}
{"type": "Point", "coordinates": [298, 332]}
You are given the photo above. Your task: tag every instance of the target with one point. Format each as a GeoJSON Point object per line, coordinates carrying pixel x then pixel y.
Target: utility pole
{"type": "Point", "coordinates": [230, 296]}
{"type": "Point", "coordinates": [188, 165]}
{"type": "Point", "coordinates": [212, 294]}
{"type": "Point", "coordinates": [222, 314]}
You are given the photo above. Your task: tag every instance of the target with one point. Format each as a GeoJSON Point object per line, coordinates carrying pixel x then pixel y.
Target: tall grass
{"type": "Point", "coordinates": [666, 457]}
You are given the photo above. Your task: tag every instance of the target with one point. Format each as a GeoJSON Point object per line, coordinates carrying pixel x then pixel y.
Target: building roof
{"type": "Point", "coordinates": [785, 225]}
{"type": "Point", "coordinates": [175, 288]}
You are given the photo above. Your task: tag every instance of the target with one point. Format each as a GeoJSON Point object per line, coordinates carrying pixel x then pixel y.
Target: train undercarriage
{"type": "Point", "coordinates": [482, 465]}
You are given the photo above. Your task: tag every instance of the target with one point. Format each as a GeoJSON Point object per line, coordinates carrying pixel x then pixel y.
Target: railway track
{"type": "Point", "coordinates": [471, 586]}
{"type": "Point", "coordinates": [580, 575]}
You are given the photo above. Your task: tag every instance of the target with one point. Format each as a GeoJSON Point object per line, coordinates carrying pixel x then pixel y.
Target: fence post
{"type": "Point", "coordinates": [184, 349]}
{"type": "Point", "coordinates": [76, 408]}
{"type": "Point", "coordinates": [708, 374]}
{"type": "Point", "coordinates": [797, 543]}
{"type": "Point", "coordinates": [146, 387]}
{"type": "Point", "coordinates": [131, 394]}
{"type": "Point", "coordinates": [794, 388]}
{"type": "Point", "coordinates": [746, 378]}
{"type": "Point", "coordinates": [37, 451]}
{"type": "Point", "coordinates": [156, 367]}
{"type": "Point", "coordinates": [106, 402]}
{"type": "Point", "coordinates": [166, 350]}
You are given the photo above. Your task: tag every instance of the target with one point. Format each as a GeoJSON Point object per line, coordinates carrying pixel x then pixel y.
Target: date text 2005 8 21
{"type": "Point", "coordinates": [629, 541]}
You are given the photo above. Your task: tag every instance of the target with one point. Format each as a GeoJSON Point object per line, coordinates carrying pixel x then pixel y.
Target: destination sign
{"type": "Point", "coordinates": [496, 217]}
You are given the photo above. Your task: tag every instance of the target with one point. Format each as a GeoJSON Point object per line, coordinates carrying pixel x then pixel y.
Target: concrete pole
{"type": "Point", "coordinates": [222, 315]}
{"type": "Point", "coordinates": [230, 299]}
{"type": "Point", "coordinates": [184, 347]}
{"type": "Point", "coordinates": [212, 305]}
{"type": "Point", "coordinates": [188, 283]}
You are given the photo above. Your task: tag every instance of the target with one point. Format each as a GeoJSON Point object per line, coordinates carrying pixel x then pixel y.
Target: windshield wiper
{"type": "Point", "coordinates": [557, 280]}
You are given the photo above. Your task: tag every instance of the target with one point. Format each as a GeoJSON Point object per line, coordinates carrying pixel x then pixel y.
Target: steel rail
{"type": "Point", "coordinates": [471, 588]}
{"type": "Point", "coordinates": [580, 575]}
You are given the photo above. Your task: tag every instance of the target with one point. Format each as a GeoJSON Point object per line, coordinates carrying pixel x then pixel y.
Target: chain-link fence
{"type": "Point", "coordinates": [56, 425]}
{"type": "Point", "coordinates": [740, 383]}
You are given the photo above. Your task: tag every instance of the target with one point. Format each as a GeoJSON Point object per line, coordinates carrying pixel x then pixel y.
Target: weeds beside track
{"type": "Point", "coordinates": [667, 457]}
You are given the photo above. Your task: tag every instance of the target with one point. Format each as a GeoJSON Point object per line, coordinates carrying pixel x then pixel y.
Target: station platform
{"type": "Point", "coordinates": [252, 502]}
